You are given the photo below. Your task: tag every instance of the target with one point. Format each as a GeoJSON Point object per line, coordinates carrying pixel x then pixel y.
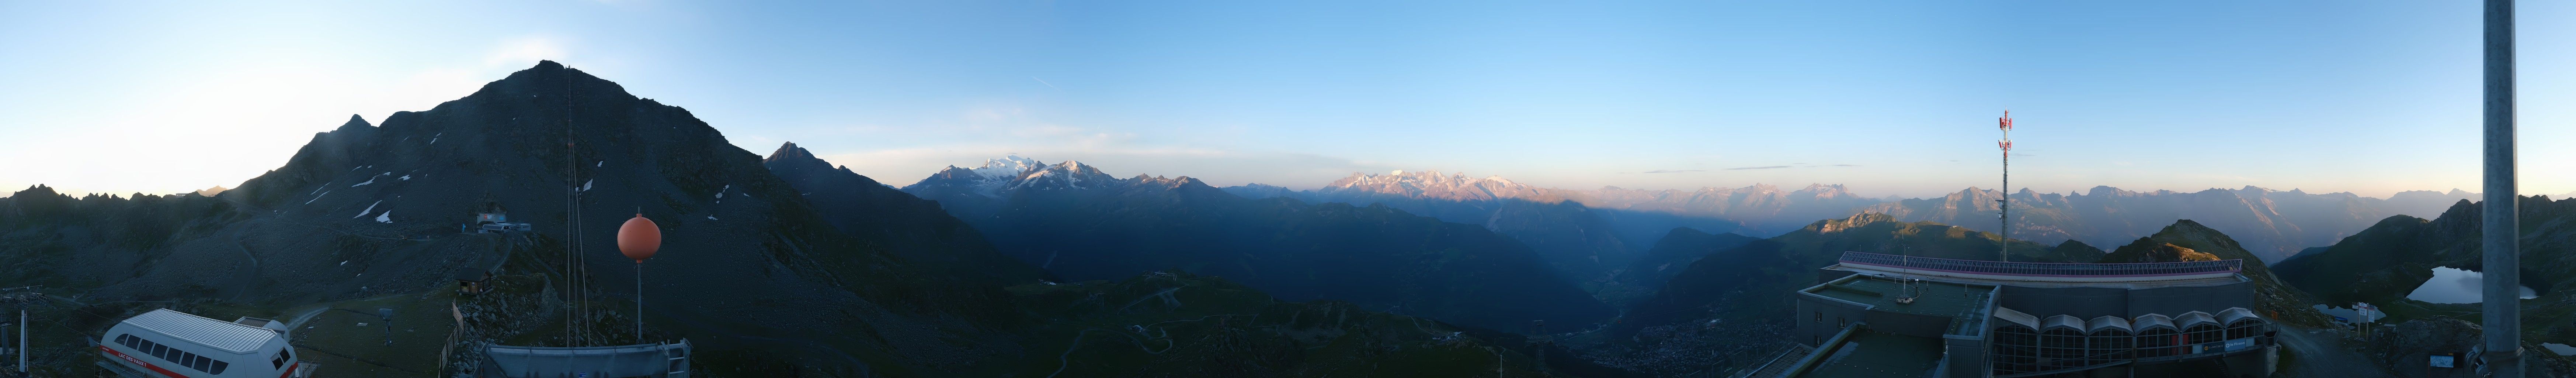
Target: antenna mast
{"type": "Point", "coordinates": [2004, 241]}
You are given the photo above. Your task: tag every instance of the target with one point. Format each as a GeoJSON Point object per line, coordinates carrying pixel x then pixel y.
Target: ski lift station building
{"type": "Point", "coordinates": [1875, 315]}
{"type": "Point", "coordinates": [172, 344]}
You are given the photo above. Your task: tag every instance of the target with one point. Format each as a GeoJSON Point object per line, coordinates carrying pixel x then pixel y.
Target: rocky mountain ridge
{"type": "Point", "coordinates": [2273, 224]}
{"type": "Point", "coordinates": [1081, 224]}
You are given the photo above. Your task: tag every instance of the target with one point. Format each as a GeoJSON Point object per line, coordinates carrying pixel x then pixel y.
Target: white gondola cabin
{"type": "Point", "coordinates": [172, 344]}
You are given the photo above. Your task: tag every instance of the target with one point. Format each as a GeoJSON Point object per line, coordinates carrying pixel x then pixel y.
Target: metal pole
{"type": "Point", "coordinates": [2500, 227]}
{"type": "Point", "coordinates": [22, 338]}
{"type": "Point", "coordinates": [639, 301]}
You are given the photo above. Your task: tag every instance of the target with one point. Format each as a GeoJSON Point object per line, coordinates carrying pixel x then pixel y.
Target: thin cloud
{"type": "Point", "coordinates": [1751, 168]}
{"type": "Point", "coordinates": [1674, 170]}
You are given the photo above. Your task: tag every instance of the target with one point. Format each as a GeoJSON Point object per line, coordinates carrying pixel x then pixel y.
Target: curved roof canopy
{"type": "Point", "coordinates": [218, 334]}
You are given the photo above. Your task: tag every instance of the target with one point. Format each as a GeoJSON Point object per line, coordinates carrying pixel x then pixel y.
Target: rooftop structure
{"type": "Point", "coordinates": [1873, 315]}
{"type": "Point", "coordinates": [166, 343]}
{"type": "Point", "coordinates": [218, 334]}
{"type": "Point", "coordinates": [666, 360]}
{"type": "Point", "coordinates": [2044, 274]}
{"type": "Point", "coordinates": [1880, 354]}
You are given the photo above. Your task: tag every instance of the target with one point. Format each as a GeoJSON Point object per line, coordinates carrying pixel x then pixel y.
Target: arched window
{"type": "Point", "coordinates": [2244, 328]}
{"type": "Point", "coordinates": [2158, 342]}
{"type": "Point", "coordinates": [2204, 333]}
{"type": "Point", "coordinates": [2061, 348]}
{"type": "Point", "coordinates": [2109, 345]}
{"type": "Point", "coordinates": [2016, 350]}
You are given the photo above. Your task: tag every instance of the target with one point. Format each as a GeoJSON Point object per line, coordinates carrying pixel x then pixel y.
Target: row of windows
{"type": "Point", "coordinates": [2019, 349]}
{"type": "Point", "coordinates": [174, 355]}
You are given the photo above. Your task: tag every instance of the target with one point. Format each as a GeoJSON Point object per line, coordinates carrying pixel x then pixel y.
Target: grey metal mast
{"type": "Point", "coordinates": [2500, 227]}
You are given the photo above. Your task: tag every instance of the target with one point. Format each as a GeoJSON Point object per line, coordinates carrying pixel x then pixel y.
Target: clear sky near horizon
{"type": "Point", "coordinates": [1890, 98]}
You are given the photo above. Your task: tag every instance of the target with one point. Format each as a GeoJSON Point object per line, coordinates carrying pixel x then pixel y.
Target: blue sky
{"type": "Point", "coordinates": [1891, 98]}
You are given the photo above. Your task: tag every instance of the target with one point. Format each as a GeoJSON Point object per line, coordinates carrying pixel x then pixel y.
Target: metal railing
{"type": "Point", "coordinates": [2045, 269]}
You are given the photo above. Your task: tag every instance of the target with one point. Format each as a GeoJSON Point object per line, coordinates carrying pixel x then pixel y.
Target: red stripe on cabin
{"type": "Point", "coordinates": [290, 370]}
{"type": "Point", "coordinates": [146, 365]}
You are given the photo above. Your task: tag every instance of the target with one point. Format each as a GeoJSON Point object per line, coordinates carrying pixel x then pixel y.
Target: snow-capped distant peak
{"type": "Point", "coordinates": [1433, 184]}
{"type": "Point", "coordinates": [1007, 167]}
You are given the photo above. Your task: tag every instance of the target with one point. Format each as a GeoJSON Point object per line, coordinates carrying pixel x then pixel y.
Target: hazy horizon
{"type": "Point", "coordinates": [1899, 99]}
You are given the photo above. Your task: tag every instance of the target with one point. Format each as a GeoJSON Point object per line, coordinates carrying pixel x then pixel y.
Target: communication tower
{"type": "Point", "coordinates": [2004, 232]}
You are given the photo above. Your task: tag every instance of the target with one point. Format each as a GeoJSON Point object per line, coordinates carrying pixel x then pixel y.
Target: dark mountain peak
{"type": "Point", "coordinates": [33, 191]}
{"type": "Point", "coordinates": [2076, 248]}
{"type": "Point", "coordinates": [2461, 209]}
{"type": "Point", "coordinates": [1177, 184]}
{"type": "Point", "coordinates": [356, 122]}
{"type": "Point", "coordinates": [2188, 226]}
{"type": "Point", "coordinates": [790, 155]}
{"type": "Point", "coordinates": [550, 80]}
{"type": "Point", "coordinates": [790, 149]}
